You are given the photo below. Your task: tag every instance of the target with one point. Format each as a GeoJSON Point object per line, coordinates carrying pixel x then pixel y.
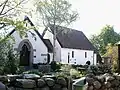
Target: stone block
{"type": "Point", "coordinates": [26, 83]}
{"type": "Point", "coordinates": [115, 83]}
{"type": "Point", "coordinates": [45, 88]}
{"type": "Point", "coordinates": [50, 82]}
{"type": "Point", "coordinates": [64, 88]}
{"type": "Point", "coordinates": [109, 78]}
{"type": "Point", "coordinates": [90, 88]}
{"type": "Point", "coordinates": [41, 83]}
{"type": "Point", "coordinates": [61, 81]}
{"type": "Point", "coordinates": [22, 89]}
{"type": "Point", "coordinates": [97, 84]}
{"type": "Point", "coordinates": [3, 78]}
{"type": "Point", "coordinates": [107, 84]}
{"type": "Point", "coordinates": [56, 87]}
{"type": "Point", "coordinates": [89, 80]}
{"type": "Point", "coordinates": [101, 79]}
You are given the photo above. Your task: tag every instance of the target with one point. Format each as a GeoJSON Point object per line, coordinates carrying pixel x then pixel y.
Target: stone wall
{"type": "Point", "coordinates": [103, 82]}
{"type": "Point", "coordinates": [43, 83]}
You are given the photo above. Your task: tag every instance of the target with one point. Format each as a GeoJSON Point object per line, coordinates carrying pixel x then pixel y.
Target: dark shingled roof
{"type": "Point", "coordinates": [49, 45]}
{"type": "Point", "coordinates": [70, 38]}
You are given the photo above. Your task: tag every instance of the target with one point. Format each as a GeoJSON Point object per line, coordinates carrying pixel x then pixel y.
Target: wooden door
{"type": "Point", "coordinates": [24, 56]}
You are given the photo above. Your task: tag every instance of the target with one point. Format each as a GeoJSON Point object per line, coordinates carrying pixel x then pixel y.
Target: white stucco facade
{"type": "Point", "coordinates": [63, 55]}
{"type": "Point", "coordinates": [49, 36]}
{"type": "Point", "coordinates": [79, 56]}
{"type": "Point", "coordinates": [40, 50]}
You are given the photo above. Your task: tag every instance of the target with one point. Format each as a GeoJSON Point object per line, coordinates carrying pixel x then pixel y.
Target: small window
{"type": "Point", "coordinates": [34, 56]}
{"type": "Point", "coordinates": [85, 54]}
{"type": "Point", "coordinates": [72, 54]}
{"type": "Point", "coordinates": [68, 57]}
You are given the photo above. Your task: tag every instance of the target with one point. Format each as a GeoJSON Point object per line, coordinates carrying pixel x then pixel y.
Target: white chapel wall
{"type": "Point", "coordinates": [40, 49]}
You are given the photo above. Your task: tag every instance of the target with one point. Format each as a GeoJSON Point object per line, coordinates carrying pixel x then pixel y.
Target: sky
{"type": "Point", "coordinates": [95, 14]}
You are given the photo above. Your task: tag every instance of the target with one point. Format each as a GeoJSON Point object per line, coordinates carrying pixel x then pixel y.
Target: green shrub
{"type": "Point", "coordinates": [9, 60]}
{"type": "Point", "coordinates": [20, 69]}
{"type": "Point", "coordinates": [74, 73]}
{"type": "Point", "coordinates": [55, 66]}
{"type": "Point", "coordinates": [114, 67]}
{"type": "Point", "coordinates": [92, 69]}
{"type": "Point", "coordinates": [68, 70]}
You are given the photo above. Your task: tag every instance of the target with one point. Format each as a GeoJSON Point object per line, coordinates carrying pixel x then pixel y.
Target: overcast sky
{"type": "Point", "coordinates": [94, 14]}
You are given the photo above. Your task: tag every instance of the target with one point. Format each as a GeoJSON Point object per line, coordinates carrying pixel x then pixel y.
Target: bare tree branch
{"type": "Point", "coordinates": [55, 13]}
{"type": "Point", "coordinates": [12, 8]}
{"type": "Point", "coordinates": [2, 4]}
{"type": "Point", "coordinates": [3, 7]}
{"type": "Point", "coordinates": [2, 25]}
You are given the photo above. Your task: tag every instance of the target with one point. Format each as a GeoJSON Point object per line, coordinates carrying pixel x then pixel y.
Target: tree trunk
{"type": "Point", "coordinates": [54, 43]}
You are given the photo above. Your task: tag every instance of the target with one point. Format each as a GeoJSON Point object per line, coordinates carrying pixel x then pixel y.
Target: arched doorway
{"type": "Point", "coordinates": [26, 53]}
{"type": "Point", "coordinates": [24, 56]}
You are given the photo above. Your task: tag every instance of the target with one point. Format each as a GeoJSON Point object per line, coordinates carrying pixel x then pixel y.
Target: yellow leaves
{"type": "Point", "coordinates": [112, 52]}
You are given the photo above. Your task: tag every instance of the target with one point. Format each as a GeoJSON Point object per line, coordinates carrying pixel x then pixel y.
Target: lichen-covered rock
{"type": "Point", "coordinates": [30, 76]}
{"type": "Point", "coordinates": [41, 83]}
{"type": "Point", "coordinates": [101, 79]}
{"type": "Point", "coordinates": [12, 78]}
{"type": "Point", "coordinates": [115, 83]}
{"type": "Point", "coordinates": [90, 75]}
{"type": "Point", "coordinates": [50, 82]}
{"type": "Point", "coordinates": [103, 82]}
{"type": "Point", "coordinates": [89, 80]}
{"type": "Point", "coordinates": [45, 88]}
{"type": "Point", "coordinates": [61, 81]}
{"type": "Point", "coordinates": [113, 89]}
{"type": "Point", "coordinates": [3, 79]}
{"type": "Point", "coordinates": [103, 87]}
{"type": "Point", "coordinates": [90, 88]}
{"type": "Point", "coordinates": [97, 84]}
{"type": "Point", "coordinates": [107, 84]}
{"type": "Point", "coordinates": [26, 83]}
{"type": "Point", "coordinates": [117, 77]}
{"type": "Point", "coordinates": [64, 88]}
{"type": "Point", "coordinates": [11, 88]}
{"type": "Point", "coordinates": [56, 87]}
{"type": "Point", "coordinates": [109, 78]}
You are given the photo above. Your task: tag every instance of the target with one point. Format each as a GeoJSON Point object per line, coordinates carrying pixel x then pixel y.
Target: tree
{"type": "Point", "coordinates": [9, 60]}
{"type": "Point", "coordinates": [9, 11]}
{"type": "Point", "coordinates": [112, 52]}
{"type": "Point", "coordinates": [55, 13]}
{"type": "Point", "coordinates": [107, 36]}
